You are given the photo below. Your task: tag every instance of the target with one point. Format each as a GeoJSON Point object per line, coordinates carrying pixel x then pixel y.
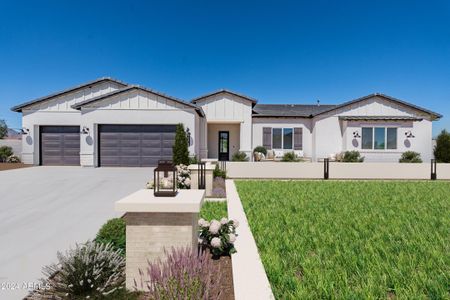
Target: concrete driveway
{"type": "Point", "coordinates": [48, 209]}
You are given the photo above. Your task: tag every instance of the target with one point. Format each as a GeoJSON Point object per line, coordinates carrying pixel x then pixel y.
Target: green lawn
{"type": "Point", "coordinates": [352, 239]}
{"type": "Point", "coordinates": [213, 210]}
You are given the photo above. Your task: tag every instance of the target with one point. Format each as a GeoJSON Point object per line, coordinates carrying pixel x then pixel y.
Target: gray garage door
{"type": "Point", "coordinates": [135, 145]}
{"type": "Point", "coordinates": [60, 145]}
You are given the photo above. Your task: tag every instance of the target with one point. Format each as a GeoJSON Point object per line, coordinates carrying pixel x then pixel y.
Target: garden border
{"type": "Point", "coordinates": [249, 276]}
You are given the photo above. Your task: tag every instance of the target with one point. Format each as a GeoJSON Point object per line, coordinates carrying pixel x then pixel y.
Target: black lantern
{"type": "Point", "coordinates": [165, 177]}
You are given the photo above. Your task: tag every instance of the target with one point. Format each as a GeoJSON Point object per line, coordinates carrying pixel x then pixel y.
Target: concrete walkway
{"type": "Point", "coordinates": [249, 277]}
{"type": "Point", "coordinates": [49, 209]}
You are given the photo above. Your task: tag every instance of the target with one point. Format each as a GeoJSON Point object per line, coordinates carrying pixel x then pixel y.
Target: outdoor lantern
{"type": "Point", "coordinates": [85, 130]}
{"type": "Point", "coordinates": [165, 177]}
{"type": "Point", "coordinates": [24, 131]}
{"type": "Point", "coordinates": [409, 134]}
{"type": "Point", "coordinates": [356, 134]}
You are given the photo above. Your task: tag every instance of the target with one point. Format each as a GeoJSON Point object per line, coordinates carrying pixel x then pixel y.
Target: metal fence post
{"type": "Point", "coordinates": [433, 170]}
{"type": "Point", "coordinates": [326, 168]}
{"type": "Point", "coordinates": [201, 175]}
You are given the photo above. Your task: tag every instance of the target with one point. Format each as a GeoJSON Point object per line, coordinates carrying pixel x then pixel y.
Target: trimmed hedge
{"type": "Point", "coordinates": [113, 231]}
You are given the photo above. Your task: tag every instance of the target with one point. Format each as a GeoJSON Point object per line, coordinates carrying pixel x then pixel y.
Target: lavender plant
{"type": "Point", "coordinates": [218, 192]}
{"type": "Point", "coordinates": [218, 236]}
{"type": "Point", "coordinates": [184, 274]}
{"type": "Point", "coordinates": [91, 270]}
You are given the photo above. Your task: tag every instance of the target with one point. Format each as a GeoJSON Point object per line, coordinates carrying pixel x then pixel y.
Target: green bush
{"type": "Point", "coordinates": [13, 159]}
{"type": "Point", "coordinates": [260, 149]}
{"type": "Point", "coordinates": [113, 231]}
{"type": "Point", "coordinates": [410, 157]}
{"type": "Point", "coordinates": [442, 149]}
{"type": "Point", "coordinates": [352, 156]}
{"type": "Point", "coordinates": [193, 160]}
{"type": "Point", "coordinates": [3, 129]}
{"type": "Point", "coordinates": [219, 173]}
{"type": "Point", "coordinates": [180, 148]}
{"type": "Point", "coordinates": [239, 156]}
{"type": "Point", "coordinates": [5, 152]}
{"type": "Point", "coordinates": [289, 157]}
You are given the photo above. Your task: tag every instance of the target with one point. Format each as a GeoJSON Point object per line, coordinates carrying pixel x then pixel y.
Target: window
{"type": "Point", "coordinates": [276, 138]}
{"type": "Point", "coordinates": [379, 138]}
{"type": "Point", "coordinates": [391, 141]}
{"type": "Point", "coordinates": [367, 138]}
{"type": "Point", "coordinates": [282, 138]}
{"type": "Point", "coordinates": [287, 138]}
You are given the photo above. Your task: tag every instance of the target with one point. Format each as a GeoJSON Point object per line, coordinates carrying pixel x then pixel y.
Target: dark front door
{"type": "Point", "coordinates": [224, 145]}
{"type": "Point", "coordinates": [135, 145]}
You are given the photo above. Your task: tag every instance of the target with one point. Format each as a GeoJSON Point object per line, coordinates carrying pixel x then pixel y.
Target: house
{"type": "Point", "coordinates": [107, 122]}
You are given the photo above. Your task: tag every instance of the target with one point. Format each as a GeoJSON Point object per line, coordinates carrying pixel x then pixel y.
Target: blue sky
{"type": "Point", "coordinates": [277, 52]}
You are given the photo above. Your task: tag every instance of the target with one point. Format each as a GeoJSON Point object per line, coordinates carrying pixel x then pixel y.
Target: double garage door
{"type": "Point", "coordinates": [118, 145]}
{"type": "Point", "coordinates": [135, 145]}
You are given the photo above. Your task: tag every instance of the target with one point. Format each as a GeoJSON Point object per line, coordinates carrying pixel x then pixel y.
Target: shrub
{"type": "Point", "coordinates": [113, 232]}
{"type": "Point", "coordinates": [239, 156]}
{"type": "Point", "coordinates": [184, 274]}
{"type": "Point", "coordinates": [180, 148]}
{"type": "Point", "coordinates": [352, 156]}
{"type": "Point", "coordinates": [92, 270]}
{"type": "Point", "coordinates": [442, 148]}
{"type": "Point", "coordinates": [410, 157]}
{"type": "Point", "coordinates": [5, 152]}
{"type": "Point", "coordinates": [218, 236]}
{"type": "Point", "coordinates": [184, 177]}
{"type": "Point", "coordinates": [219, 173]}
{"type": "Point", "coordinates": [260, 149]}
{"type": "Point", "coordinates": [289, 157]}
{"type": "Point", "coordinates": [3, 129]}
{"type": "Point", "coordinates": [13, 159]}
{"type": "Point", "coordinates": [193, 160]}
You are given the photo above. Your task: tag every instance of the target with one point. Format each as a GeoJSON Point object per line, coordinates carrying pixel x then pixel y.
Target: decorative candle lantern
{"type": "Point", "coordinates": [165, 178]}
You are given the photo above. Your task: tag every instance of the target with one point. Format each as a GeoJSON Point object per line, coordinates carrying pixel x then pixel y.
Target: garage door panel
{"type": "Point", "coordinates": [135, 145]}
{"type": "Point", "coordinates": [60, 145]}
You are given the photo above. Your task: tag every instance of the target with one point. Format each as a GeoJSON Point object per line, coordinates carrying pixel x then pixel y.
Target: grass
{"type": "Point", "coordinates": [213, 210]}
{"type": "Point", "coordinates": [352, 239]}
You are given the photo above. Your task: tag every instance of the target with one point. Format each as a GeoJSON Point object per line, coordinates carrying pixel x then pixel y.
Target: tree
{"type": "Point", "coordinates": [180, 148]}
{"type": "Point", "coordinates": [442, 149]}
{"type": "Point", "coordinates": [3, 129]}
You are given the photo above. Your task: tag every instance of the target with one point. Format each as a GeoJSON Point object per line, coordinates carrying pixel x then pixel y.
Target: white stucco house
{"type": "Point", "coordinates": [107, 122]}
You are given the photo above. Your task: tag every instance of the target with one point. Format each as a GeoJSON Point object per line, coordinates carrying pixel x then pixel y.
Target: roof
{"type": "Point", "coordinates": [18, 108]}
{"type": "Point", "coordinates": [289, 110]}
{"type": "Point", "coordinates": [253, 100]}
{"type": "Point", "coordinates": [137, 87]}
{"type": "Point", "coordinates": [434, 114]}
{"type": "Point", "coordinates": [379, 118]}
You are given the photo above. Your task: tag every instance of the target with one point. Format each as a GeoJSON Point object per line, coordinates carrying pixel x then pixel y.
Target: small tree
{"type": "Point", "coordinates": [180, 148]}
{"type": "Point", "coordinates": [5, 152]}
{"type": "Point", "coordinates": [442, 149]}
{"type": "Point", "coordinates": [3, 129]}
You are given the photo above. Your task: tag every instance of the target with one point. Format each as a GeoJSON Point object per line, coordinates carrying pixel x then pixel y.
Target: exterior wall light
{"type": "Point", "coordinates": [356, 134]}
{"type": "Point", "coordinates": [409, 134]}
{"type": "Point", "coordinates": [24, 131]}
{"type": "Point", "coordinates": [85, 130]}
{"type": "Point", "coordinates": [165, 178]}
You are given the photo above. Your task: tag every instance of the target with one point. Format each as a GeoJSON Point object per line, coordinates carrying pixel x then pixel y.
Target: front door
{"type": "Point", "coordinates": [224, 145]}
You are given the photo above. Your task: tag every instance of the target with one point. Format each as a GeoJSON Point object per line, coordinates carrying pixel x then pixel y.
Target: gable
{"type": "Point", "coordinates": [225, 107]}
{"type": "Point", "coordinates": [136, 99]}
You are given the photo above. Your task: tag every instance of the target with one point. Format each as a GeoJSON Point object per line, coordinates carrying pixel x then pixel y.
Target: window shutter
{"type": "Point", "coordinates": [298, 138]}
{"type": "Point", "coordinates": [267, 137]}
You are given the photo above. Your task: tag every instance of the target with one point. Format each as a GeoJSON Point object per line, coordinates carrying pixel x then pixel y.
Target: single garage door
{"type": "Point", "coordinates": [135, 145]}
{"type": "Point", "coordinates": [60, 145]}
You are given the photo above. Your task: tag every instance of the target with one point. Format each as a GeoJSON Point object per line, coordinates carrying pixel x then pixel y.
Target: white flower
{"type": "Point", "coordinates": [187, 182]}
{"type": "Point", "coordinates": [201, 222]}
{"type": "Point", "coordinates": [200, 240]}
{"type": "Point", "coordinates": [223, 221]}
{"type": "Point", "coordinates": [235, 223]}
{"type": "Point", "coordinates": [232, 238]}
{"type": "Point", "coordinates": [214, 227]}
{"type": "Point", "coordinates": [216, 243]}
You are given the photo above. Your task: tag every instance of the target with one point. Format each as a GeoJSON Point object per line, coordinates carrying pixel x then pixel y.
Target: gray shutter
{"type": "Point", "coordinates": [298, 138]}
{"type": "Point", "coordinates": [267, 137]}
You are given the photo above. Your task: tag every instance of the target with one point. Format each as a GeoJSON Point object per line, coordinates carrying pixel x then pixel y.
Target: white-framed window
{"type": "Point", "coordinates": [283, 138]}
{"type": "Point", "coordinates": [379, 138]}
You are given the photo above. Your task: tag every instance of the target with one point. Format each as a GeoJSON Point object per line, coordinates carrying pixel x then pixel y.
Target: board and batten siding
{"type": "Point", "coordinates": [227, 108]}
{"type": "Point", "coordinates": [332, 136]}
{"type": "Point", "coordinates": [134, 107]}
{"type": "Point", "coordinates": [301, 126]}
